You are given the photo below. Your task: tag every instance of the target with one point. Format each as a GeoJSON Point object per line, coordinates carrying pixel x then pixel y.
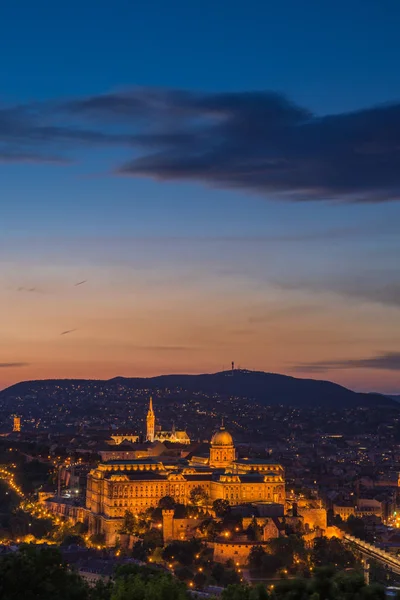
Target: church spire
{"type": "Point", "coordinates": [150, 422]}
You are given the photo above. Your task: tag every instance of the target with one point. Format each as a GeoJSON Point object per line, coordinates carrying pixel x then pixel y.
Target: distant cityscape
{"type": "Point", "coordinates": [122, 472]}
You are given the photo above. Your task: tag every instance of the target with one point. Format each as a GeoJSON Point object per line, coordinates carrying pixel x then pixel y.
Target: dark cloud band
{"type": "Point", "coordinates": [255, 141]}
{"type": "Point", "coordinates": [389, 361]}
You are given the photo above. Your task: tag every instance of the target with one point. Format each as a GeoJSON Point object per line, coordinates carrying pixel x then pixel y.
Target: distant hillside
{"type": "Point", "coordinates": [265, 388]}
{"type": "Point", "coordinates": [397, 398]}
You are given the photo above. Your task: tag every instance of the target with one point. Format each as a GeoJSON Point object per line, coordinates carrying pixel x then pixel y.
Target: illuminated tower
{"type": "Point", "coordinates": [151, 422]}
{"type": "Point", "coordinates": [17, 423]}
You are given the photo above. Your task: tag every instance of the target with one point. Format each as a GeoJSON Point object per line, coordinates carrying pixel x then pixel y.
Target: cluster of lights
{"type": "Point", "coordinates": [9, 478]}
{"type": "Point", "coordinates": [35, 509]}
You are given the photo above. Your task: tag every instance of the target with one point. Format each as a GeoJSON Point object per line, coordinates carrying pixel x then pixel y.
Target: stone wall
{"type": "Point", "coordinates": [313, 518]}
{"type": "Point", "coordinates": [239, 553]}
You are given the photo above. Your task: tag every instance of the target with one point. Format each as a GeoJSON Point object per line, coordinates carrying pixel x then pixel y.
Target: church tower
{"type": "Point", "coordinates": [151, 422]}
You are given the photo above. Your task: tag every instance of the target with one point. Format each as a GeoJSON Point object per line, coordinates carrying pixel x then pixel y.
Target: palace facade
{"type": "Point", "coordinates": [116, 486]}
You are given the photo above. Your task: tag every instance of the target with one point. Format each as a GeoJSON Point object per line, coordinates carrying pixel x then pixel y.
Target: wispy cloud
{"type": "Point", "coordinates": [388, 361]}
{"type": "Point", "coordinates": [12, 365]}
{"type": "Point", "coordinates": [68, 331]}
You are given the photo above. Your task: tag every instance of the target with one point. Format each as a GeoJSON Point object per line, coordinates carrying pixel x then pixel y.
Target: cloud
{"type": "Point", "coordinates": [31, 290]}
{"type": "Point", "coordinates": [389, 361]}
{"type": "Point", "coordinates": [260, 141]}
{"type": "Point", "coordinates": [255, 141]}
{"type": "Point", "coordinates": [68, 331]}
{"type": "Point", "coordinates": [13, 365]}
{"type": "Point", "coordinates": [378, 287]}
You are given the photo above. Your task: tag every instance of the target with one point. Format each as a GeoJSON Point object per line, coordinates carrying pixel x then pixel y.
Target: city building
{"type": "Point", "coordinates": [116, 486]}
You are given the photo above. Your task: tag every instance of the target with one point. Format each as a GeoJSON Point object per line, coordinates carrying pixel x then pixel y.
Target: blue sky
{"type": "Point", "coordinates": [288, 285]}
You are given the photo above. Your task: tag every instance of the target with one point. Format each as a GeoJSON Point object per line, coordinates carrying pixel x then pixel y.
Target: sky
{"type": "Point", "coordinates": [220, 178]}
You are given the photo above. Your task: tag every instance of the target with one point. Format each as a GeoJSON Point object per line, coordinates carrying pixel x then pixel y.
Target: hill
{"type": "Point", "coordinates": [397, 398]}
{"type": "Point", "coordinates": [265, 388]}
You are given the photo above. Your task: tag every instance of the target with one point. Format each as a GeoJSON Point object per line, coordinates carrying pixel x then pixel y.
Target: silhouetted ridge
{"type": "Point", "coordinates": [265, 388]}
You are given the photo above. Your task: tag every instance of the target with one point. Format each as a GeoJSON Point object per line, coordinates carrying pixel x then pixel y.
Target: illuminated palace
{"type": "Point", "coordinates": [116, 486]}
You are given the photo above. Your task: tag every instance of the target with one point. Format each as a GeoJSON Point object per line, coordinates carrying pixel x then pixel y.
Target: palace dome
{"type": "Point", "coordinates": [222, 438]}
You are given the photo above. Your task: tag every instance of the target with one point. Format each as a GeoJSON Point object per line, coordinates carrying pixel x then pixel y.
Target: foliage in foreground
{"type": "Point", "coordinates": [41, 574]}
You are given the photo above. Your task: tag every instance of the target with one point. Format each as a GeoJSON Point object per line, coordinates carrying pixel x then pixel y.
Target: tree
{"type": "Point", "coordinates": [141, 587]}
{"type": "Point", "coordinates": [331, 552]}
{"type": "Point", "coordinates": [101, 591]}
{"type": "Point", "coordinates": [182, 552]}
{"type": "Point", "coordinates": [184, 574]}
{"type": "Point", "coordinates": [254, 531]}
{"type": "Point", "coordinates": [234, 523]}
{"type": "Point", "coordinates": [73, 540]}
{"type": "Point", "coordinates": [271, 563]}
{"type": "Point", "coordinates": [33, 573]}
{"type": "Point", "coordinates": [152, 539]}
{"type": "Point", "coordinates": [286, 548]}
{"type": "Point", "coordinates": [236, 592]}
{"type": "Point", "coordinates": [98, 539]}
{"type": "Point", "coordinates": [245, 592]}
{"type": "Point", "coordinates": [221, 507]}
{"type": "Point", "coordinates": [200, 579]}
{"type": "Point", "coordinates": [167, 503]}
{"type": "Point", "coordinates": [230, 576]}
{"type": "Point", "coordinates": [130, 523]}
{"type": "Point", "coordinates": [356, 527]}
{"type": "Point", "coordinates": [210, 528]}
{"type": "Point", "coordinates": [217, 572]}
{"type": "Point", "coordinates": [295, 589]}
{"type": "Point", "coordinates": [180, 511]}
{"type": "Point", "coordinates": [198, 496]}
{"type": "Point", "coordinates": [80, 528]}
{"type": "Point", "coordinates": [139, 551]}
{"type": "Point", "coordinates": [256, 556]}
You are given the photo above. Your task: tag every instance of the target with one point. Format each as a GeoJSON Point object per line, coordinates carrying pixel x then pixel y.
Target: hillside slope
{"type": "Point", "coordinates": [266, 388]}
